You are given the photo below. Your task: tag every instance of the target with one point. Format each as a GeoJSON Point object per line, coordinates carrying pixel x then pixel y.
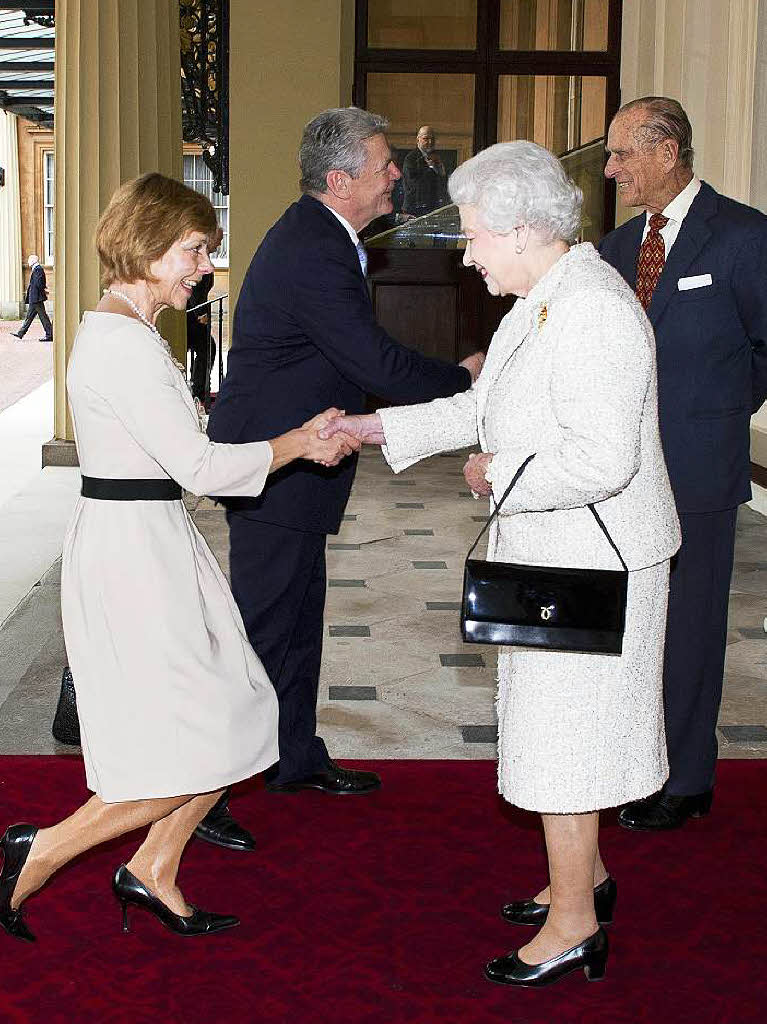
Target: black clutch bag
{"type": "Point", "coordinates": [66, 725]}
{"type": "Point", "coordinates": [543, 606]}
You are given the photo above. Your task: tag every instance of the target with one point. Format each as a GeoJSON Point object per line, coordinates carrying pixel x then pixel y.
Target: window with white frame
{"type": "Point", "coordinates": [48, 205]}
{"type": "Point", "coordinates": [197, 176]}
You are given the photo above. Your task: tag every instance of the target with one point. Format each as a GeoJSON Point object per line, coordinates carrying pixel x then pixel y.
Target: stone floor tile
{"type": "Point", "coordinates": [352, 693]}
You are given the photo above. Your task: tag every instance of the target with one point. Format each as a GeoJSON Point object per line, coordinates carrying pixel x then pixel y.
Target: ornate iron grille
{"type": "Point", "coordinates": [205, 83]}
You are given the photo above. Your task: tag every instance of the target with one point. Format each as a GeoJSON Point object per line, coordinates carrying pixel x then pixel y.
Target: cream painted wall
{"type": "Point", "coordinates": [703, 53]}
{"type": "Point", "coordinates": [287, 63]}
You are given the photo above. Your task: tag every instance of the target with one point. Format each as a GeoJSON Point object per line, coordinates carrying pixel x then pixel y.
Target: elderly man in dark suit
{"type": "Point", "coordinates": [698, 263]}
{"type": "Point", "coordinates": [305, 338]}
{"type": "Point", "coordinates": [36, 295]}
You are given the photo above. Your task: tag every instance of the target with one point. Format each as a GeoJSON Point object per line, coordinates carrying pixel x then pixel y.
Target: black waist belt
{"type": "Point", "coordinates": [130, 490]}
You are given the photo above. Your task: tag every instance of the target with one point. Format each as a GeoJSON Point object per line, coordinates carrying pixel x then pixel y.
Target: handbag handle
{"type": "Point", "coordinates": [497, 509]}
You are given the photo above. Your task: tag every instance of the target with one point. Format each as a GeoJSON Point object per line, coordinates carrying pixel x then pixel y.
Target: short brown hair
{"type": "Point", "coordinates": [144, 218]}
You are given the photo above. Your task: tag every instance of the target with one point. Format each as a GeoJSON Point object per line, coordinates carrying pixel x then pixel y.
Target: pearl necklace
{"type": "Point", "coordinates": [147, 323]}
{"type": "Point", "coordinates": [199, 407]}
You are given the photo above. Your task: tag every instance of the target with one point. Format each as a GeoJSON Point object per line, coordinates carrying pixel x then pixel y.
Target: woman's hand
{"type": "Point", "coordinates": [306, 443]}
{"type": "Point", "coordinates": [363, 429]}
{"type": "Point", "coordinates": [474, 473]}
{"type": "Point", "coordinates": [328, 452]}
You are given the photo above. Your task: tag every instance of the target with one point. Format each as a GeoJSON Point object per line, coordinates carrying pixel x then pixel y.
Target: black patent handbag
{"type": "Point", "coordinates": [557, 609]}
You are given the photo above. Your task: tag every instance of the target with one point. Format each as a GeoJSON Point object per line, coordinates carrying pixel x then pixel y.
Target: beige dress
{"type": "Point", "coordinates": [570, 376]}
{"type": "Point", "coordinates": [171, 696]}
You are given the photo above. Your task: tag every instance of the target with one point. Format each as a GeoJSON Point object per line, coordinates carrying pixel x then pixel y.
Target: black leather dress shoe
{"type": "Point", "coordinates": [591, 955]}
{"type": "Point", "coordinates": [530, 912]}
{"type": "Point", "coordinates": [332, 779]}
{"type": "Point", "coordinates": [664, 811]}
{"type": "Point", "coordinates": [219, 828]}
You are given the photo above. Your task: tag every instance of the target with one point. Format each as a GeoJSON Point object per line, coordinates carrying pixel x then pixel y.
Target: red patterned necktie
{"type": "Point", "coordinates": [652, 257]}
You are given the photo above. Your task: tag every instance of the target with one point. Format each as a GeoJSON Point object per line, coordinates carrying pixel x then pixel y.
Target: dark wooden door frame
{"type": "Point", "coordinates": [487, 62]}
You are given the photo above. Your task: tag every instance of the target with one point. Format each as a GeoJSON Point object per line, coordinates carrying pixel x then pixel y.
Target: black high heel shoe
{"type": "Point", "coordinates": [591, 955]}
{"type": "Point", "coordinates": [129, 889]}
{"type": "Point", "coordinates": [530, 912]}
{"type": "Point", "coordinates": [15, 844]}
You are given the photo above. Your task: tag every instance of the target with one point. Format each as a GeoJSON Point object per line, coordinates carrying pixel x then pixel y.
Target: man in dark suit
{"type": "Point", "coordinates": [36, 295]}
{"type": "Point", "coordinates": [423, 176]}
{"type": "Point", "coordinates": [304, 339]}
{"type": "Point", "coordinates": [698, 262]}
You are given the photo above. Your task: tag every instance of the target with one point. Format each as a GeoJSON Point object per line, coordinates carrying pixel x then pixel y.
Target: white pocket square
{"type": "Point", "coordinates": [685, 284]}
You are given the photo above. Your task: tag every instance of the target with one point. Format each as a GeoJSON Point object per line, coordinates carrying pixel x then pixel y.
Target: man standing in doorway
{"type": "Point", "coordinates": [698, 263]}
{"type": "Point", "coordinates": [37, 293]}
{"type": "Point", "coordinates": [305, 338]}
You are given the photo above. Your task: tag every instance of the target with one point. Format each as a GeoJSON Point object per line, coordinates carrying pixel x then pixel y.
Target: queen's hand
{"type": "Point", "coordinates": [474, 473]}
{"type": "Point", "coordinates": [364, 429]}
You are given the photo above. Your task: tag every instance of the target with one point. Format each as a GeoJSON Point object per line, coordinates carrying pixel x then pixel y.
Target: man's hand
{"type": "Point", "coordinates": [474, 473]}
{"type": "Point", "coordinates": [474, 364]}
{"type": "Point", "coordinates": [363, 429]}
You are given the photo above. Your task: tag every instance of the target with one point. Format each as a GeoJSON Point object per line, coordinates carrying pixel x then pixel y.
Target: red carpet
{"type": "Point", "coordinates": [383, 908]}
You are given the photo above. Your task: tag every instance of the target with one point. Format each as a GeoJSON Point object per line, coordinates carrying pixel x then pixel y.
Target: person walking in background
{"type": "Point", "coordinates": [172, 701]}
{"type": "Point", "coordinates": [36, 294]}
{"type": "Point", "coordinates": [698, 263]}
{"type": "Point", "coordinates": [305, 333]}
{"type": "Point", "coordinates": [570, 381]}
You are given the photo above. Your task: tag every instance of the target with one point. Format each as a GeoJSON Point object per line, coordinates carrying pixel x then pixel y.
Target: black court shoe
{"type": "Point", "coordinates": [590, 955]}
{"type": "Point", "coordinates": [129, 889]}
{"type": "Point", "coordinates": [15, 844]}
{"type": "Point", "coordinates": [530, 912]}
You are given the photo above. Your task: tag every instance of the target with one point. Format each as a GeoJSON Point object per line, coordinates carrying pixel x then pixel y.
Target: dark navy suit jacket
{"type": "Point", "coordinates": [711, 345]}
{"type": "Point", "coordinates": [304, 339]}
{"type": "Point", "coordinates": [36, 288]}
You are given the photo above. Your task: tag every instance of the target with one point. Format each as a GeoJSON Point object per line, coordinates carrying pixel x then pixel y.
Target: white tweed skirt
{"type": "Point", "coordinates": [580, 732]}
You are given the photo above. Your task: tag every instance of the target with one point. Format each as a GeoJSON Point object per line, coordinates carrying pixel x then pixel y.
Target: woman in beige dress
{"type": "Point", "coordinates": [569, 377]}
{"type": "Point", "coordinates": [173, 703]}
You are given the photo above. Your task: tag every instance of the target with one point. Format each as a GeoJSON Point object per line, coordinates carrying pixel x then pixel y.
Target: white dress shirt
{"type": "Point", "coordinates": [349, 229]}
{"type": "Point", "coordinates": [676, 211]}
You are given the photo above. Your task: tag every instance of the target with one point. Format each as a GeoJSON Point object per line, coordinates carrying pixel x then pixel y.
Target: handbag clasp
{"type": "Point", "coordinates": [547, 610]}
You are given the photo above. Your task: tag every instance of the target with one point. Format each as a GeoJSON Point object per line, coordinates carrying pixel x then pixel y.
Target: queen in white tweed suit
{"type": "Point", "coordinates": [570, 376]}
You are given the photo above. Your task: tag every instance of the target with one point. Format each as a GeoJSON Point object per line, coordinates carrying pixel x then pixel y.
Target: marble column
{"type": "Point", "coordinates": [117, 115]}
{"type": "Point", "coordinates": [11, 277]}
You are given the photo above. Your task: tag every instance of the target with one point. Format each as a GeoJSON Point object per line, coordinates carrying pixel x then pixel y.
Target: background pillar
{"type": "Point", "coordinates": [11, 274]}
{"type": "Point", "coordinates": [287, 63]}
{"type": "Point", "coordinates": [117, 115]}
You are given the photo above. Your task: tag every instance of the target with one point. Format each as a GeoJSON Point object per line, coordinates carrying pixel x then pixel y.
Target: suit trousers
{"type": "Point", "coordinates": [696, 640]}
{"type": "Point", "coordinates": [37, 309]}
{"type": "Point", "coordinates": [278, 581]}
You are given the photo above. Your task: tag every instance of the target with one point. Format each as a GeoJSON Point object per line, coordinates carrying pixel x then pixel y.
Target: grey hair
{"type": "Point", "coordinates": [515, 183]}
{"type": "Point", "coordinates": [334, 141]}
{"type": "Point", "coordinates": [666, 119]}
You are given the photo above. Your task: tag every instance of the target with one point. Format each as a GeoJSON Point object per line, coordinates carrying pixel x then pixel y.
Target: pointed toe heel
{"type": "Point", "coordinates": [15, 844]}
{"type": "Point", "coordinates": [130, 890]}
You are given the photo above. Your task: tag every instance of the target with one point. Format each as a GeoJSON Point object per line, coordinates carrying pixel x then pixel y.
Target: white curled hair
{"type": "Point", "coordinates": [515, 183]}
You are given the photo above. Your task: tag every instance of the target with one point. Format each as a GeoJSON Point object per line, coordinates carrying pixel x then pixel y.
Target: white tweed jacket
{"type": "Point", "coordinates": [570, 376]}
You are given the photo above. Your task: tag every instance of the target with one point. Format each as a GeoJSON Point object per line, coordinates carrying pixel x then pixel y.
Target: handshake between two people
{"type": "Point", "coordinates": [331, 436]}
{"type": "Point", "coordinates": [358, 430]}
